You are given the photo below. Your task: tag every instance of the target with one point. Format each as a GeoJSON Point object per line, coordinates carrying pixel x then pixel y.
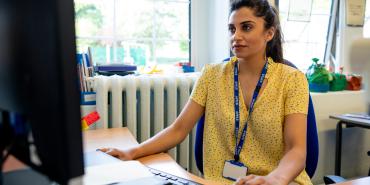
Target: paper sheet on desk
{"type": "Point", "coordinates": [359, 116]}
{"type": "Point", "coordinates": [115, 172]}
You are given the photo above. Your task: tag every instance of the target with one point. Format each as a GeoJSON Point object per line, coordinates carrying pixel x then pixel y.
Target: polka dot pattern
{"type": "Point", "coordinates": [286, 93]}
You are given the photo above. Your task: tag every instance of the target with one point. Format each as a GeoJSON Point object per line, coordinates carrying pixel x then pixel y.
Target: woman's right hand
{"type": "Point", "coordinates": [128, 154]}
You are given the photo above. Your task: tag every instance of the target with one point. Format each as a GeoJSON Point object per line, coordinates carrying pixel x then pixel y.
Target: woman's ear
{"type": "Point", "coordinates": [270, 34]}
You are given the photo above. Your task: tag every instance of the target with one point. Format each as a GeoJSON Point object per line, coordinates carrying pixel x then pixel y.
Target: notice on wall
{"type": "Point", "coordinates": [355, 12]}
{"type": "Point", "coordinates": [300, 10]}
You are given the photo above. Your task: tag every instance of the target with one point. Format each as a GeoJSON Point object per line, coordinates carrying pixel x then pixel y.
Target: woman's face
{"type": "Point", "coordinates": [248, 37]}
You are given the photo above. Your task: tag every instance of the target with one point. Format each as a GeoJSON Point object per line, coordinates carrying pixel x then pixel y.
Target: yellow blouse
{"type": "Point", "coordinates": [286, 93]}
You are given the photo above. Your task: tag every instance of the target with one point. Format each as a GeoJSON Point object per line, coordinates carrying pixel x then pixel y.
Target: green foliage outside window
{"type": "Point", "coordinates": [153, 32]}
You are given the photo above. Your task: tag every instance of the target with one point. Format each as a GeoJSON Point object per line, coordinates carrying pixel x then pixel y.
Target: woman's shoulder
{"type": "Point", "coordinates": [218, 67]}
{"type": "Point", "coordinates": [287, 74]}
{"type": "Point", "coordinates": [289, 77]}
{"type": "Point", "coordinates": [288, 70]}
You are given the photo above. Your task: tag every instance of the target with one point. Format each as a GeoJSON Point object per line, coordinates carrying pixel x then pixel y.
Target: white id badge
{"type": "Point", "coordinates": [233, 170]}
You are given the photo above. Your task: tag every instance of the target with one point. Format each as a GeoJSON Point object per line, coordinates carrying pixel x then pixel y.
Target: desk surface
{"type": "Point", "coordinates": [122, 138]}
{"type": "Point", "coordinates": [352, 120]}
{"type": "Point", "coordinates": [361, 181]}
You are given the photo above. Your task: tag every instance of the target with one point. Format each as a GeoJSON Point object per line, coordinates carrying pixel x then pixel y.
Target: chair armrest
{"type": "Point", "coordinates": [333, 179]}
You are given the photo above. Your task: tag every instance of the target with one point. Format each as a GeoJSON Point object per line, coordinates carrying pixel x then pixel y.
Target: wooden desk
{"type": "Point", "coordinates": [348, 122]}
{"type": "Point", "coordinates": [122, 138]}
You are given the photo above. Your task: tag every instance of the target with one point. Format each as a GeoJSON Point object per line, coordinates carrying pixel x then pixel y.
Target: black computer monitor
{"type": "Point", "coordinates": [39, 97]}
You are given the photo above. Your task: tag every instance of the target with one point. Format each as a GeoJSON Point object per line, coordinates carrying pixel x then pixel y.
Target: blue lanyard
{"type": "Point", "coordinates": [239, 146]}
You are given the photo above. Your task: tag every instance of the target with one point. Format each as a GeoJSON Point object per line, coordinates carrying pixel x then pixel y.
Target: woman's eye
{"type": "Point", "coordinates": [247, 27]}
{"type": "Point", "coordinates": [231, 30]}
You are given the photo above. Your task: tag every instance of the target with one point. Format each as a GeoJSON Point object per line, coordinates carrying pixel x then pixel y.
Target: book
{"type": "Point", "coordinates": [88, 98]}
{"type": "Point", "coordinates": [115, 67]}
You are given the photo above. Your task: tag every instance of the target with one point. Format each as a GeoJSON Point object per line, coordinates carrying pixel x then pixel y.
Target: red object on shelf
{"type": "Point", "coordinates": [89, 119]}
{"type": "Point", "coordinates": [354, 82]}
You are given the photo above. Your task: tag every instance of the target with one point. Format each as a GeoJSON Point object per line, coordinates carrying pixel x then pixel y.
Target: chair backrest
{"type": "Point", "coordinates": [312, 139]}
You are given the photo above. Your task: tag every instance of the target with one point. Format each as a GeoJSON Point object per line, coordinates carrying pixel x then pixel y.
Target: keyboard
{"type": "Point", "coordinates": [171, 179]}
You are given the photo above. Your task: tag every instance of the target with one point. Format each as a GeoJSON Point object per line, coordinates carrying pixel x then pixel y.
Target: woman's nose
{"type": "Point", "coordinates": [236, 35]}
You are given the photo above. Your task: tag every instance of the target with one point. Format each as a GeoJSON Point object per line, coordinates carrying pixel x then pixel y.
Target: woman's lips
{"type": "Point", "coordinates": [238, 47]}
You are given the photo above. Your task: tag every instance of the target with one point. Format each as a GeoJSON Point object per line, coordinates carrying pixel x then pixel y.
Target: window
{"type": "Point", "coordinates": [305, 38]}
{"type": "Point", "coordinates": [137, 32]}
{"type": "Point", "coordinates": [367, 20]}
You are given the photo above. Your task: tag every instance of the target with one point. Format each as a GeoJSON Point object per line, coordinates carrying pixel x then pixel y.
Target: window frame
{"type": "Point", "coordinates": [114, 38]}
{"type": "Point", "coordinates": [330, 35]}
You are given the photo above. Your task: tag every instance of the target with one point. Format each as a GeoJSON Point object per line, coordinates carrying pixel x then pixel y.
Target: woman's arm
{"type": "Point", "coordinates": [294, 159]}
{"type": "Point", "coordinates": [167, 138]}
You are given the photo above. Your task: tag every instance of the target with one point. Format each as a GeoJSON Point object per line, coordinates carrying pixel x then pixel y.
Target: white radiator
{"type": "Point", "coordinates": [146, 104]}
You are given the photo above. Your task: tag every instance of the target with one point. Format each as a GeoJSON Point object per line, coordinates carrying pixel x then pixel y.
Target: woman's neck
{"type": "Point", "coordinates": [251, 66]}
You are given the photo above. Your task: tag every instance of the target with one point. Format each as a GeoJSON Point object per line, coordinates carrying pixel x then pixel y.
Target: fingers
{"type": "Point", "coordinates": [239, 181]}
{"type": "Point", "coordinates": [251, 180]}
{"type": "Point", "coordinates": [102, 149]}
{"type": "Point", "coordinates": [257, 180]}
{"type": "Point", "coordinates": [249, 177]}
{"type": "Point", "coordinates": [111, 151]}
{"type": "Point", "coordinates": [105, 150]}
{"type": "Point", "coordinates": [243, 180]}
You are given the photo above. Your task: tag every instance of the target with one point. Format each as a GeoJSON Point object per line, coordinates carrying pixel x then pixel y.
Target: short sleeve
{"type": "Point", "coordinates": [296, 100]}
{"type": "Point", "coordinates": [199, 93]}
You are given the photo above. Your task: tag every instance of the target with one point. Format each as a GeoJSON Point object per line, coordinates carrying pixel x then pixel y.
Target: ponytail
{"type": "Point", "coordinates": [274, 48]}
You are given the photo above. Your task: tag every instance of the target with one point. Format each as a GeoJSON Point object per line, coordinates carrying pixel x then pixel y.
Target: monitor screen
{"type": "Point", "coordinates": [39, 98]}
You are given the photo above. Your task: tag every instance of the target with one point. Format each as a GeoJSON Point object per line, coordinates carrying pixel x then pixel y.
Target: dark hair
{"type": "Point", "coordinates": [262, 8]}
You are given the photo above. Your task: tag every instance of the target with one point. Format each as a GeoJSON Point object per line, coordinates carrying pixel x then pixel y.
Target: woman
{"type": "Point", "coordinates": [264, 129]}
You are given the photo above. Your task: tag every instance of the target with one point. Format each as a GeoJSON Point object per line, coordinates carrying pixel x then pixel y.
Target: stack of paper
{"type": "Point", "coordinates": [121, 171]}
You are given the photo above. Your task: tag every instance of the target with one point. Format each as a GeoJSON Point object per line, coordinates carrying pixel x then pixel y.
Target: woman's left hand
{"type": "Point", "coordinates": [258, 180]}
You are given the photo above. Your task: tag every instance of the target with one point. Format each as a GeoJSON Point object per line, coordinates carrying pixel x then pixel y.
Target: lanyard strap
{"type": "Point", "coordinates": [239, 146]}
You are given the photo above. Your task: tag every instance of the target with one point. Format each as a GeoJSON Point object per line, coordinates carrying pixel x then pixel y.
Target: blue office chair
{"type": "Point", "coordinates": [312, 139]}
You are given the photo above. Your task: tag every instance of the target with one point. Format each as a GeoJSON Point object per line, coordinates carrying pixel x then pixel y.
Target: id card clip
{"type": "Point", "coordinates": [234, 169]}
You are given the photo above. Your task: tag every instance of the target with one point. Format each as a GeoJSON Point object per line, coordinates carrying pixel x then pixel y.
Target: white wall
{"type": "Point", "coordinates": [345, 36]}
{"type": "Point", "coordinates": [209, 35]}
{"type": "Point", "coordinates": [199, 30]}
{"type": "Point", "coordinates": [356, 141]}
{"type": "Point", "coordinates": [218, 33]}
